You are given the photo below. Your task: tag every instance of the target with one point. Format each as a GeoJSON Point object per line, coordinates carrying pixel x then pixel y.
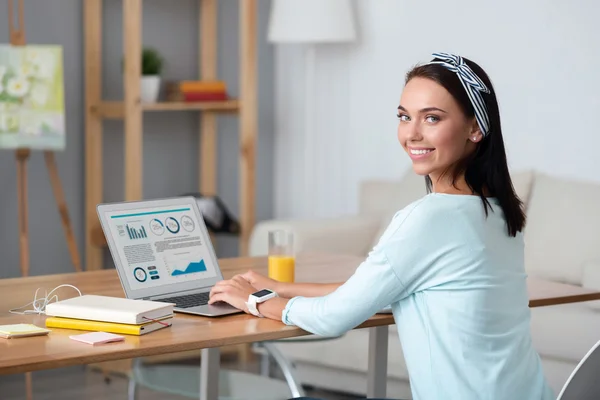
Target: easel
{"type": "Point", "coordinates": [17, 38]}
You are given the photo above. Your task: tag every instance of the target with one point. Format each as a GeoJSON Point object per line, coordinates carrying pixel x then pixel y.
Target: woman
{"type": "Point", "coordinates": [449, 264]}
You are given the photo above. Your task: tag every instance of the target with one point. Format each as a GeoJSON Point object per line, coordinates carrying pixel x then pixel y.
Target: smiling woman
{"type": "Point", "coordinates": [450, 264]}
{"type": "Point", "coordinates": [449, 124]}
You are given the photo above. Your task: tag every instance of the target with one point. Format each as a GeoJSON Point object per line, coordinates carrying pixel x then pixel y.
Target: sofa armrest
{"type": "Point", "coordinates": [351, 235]}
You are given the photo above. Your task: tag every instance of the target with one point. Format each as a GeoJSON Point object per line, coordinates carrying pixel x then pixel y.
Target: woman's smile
{"type": "Point", "coordinates": [419, 153]}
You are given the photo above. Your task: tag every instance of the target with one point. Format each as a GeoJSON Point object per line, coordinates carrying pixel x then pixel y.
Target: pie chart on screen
{"type": "Point", "coordinates": [157, 227]}
{"type": "Point", "coordinates": [172, 225]}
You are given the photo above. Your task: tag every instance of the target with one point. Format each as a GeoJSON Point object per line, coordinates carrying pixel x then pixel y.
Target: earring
{"type": "Point", "coordinates": [474, 138]}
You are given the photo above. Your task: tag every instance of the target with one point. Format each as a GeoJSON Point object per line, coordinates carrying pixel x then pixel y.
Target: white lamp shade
{"type": "Point", "coordinates": [311, 21]}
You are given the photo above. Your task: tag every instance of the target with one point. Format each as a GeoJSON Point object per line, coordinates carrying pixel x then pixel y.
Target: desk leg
{"type": "Point", "coordinates": [209, 374]}
{"type": "Point", "coordinates": [378, 352]}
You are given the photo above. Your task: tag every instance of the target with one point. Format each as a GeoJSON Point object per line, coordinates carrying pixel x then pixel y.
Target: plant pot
{"type": "Point", "coordinates": [150, 87]}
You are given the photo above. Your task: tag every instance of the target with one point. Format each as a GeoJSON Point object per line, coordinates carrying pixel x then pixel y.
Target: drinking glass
{"type": "Point", "coordinates": [281, 256]}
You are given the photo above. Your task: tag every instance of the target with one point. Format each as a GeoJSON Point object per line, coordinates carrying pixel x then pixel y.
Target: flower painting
{"type": "Point", "coordinates": [32, 110]}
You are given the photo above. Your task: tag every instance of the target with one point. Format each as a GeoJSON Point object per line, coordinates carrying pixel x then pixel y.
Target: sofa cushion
{"type": "Point", "coordinates": [563, 228]}
{"type": "Point", "coordinates": [342, 235]}
{"type": "Point", "coordinates": [522, 182]}
{"type": "Point", "coordinates": [381, 197]}
{"type": "Point", "coordinates": [387, 198]}
{"type": "Point", "coordinates": [565, 332]}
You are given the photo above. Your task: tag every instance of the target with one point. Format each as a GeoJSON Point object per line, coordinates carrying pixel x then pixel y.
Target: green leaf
{"type": "Point", "coordinates": [152, 61]}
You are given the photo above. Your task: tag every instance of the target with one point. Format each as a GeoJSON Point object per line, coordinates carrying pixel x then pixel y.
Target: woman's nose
{"type": "Point", "coordinates": [411, 132]}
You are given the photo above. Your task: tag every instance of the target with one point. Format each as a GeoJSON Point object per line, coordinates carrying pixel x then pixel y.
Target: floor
{"type": "Point", "coordinates": [75, 383]}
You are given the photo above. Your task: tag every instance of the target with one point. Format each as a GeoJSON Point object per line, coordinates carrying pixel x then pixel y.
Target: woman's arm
{"type": "Point", "coordinates": [273, 308]}
{"type": "Point", "coordinates": [235, 291]}
{"type": "Point", "coordinates": [289, 290]}
{"type": "Point", "coordinates": [373, 286]}
{"type": "Point", "coordinates": [397, 267]}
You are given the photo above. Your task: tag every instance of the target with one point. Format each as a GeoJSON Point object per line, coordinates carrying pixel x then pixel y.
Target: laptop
{"type": "Point", "coordinates": [162, 252]}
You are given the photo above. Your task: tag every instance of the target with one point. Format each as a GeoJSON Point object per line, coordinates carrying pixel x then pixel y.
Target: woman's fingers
{"type": "Point", "coordinates": [222, 287]}
{"type": "Point", "coordinates": [239, 280]}
{"type": "Point", "coordinates": [217, 297]}
{"type": "Point", "coordinates": [250, 276]}
{"type": "Point", "coordinates": [230, 296]}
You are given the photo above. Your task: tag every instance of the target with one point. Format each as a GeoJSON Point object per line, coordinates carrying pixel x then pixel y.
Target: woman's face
{"type": "Point", "coordinates": [433, 129]}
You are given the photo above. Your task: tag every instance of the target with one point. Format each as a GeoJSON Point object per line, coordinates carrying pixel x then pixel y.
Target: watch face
{"type": "Point", "coordinates": [262, 293]}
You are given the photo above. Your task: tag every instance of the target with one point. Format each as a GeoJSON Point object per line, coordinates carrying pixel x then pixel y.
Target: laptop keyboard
{"type": "Point", "coordinates": [187, 301]}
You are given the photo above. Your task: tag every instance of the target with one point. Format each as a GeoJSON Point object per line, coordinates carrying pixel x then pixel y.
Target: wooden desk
{"type": "Point", "coordinates": [194, 332]}
{"type": "Point", "coordinates": [187, 333]}
{"type": "Point", "coordinates": [548, 293]}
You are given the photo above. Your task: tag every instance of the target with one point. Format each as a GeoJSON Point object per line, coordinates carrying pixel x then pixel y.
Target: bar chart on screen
{"type": "Point", "coordinates": [139, 233]}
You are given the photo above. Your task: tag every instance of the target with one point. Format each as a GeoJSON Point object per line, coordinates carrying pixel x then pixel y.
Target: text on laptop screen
{"type": "Point", "coordinates": [160, 246]}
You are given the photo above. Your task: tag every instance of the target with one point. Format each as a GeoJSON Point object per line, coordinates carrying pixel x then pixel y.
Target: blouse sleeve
{"type": "Point", "coordinates": [399, 265]}
{"type": "Point", "coordinates": [373, 286]}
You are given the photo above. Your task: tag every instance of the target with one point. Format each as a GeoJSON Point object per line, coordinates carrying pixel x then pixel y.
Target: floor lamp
{"type": "Point", "coordinates": [310, 22]}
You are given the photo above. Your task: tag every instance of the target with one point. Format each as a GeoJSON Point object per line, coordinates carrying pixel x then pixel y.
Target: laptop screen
{"type": "Point", "coordinates": [161, 245]}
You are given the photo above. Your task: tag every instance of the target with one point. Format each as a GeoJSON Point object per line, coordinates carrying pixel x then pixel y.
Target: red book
{"type": "Point", "coordinates": [204, 96]}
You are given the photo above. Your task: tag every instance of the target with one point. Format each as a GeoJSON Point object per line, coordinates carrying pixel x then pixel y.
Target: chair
{"type": "Point", "coordinates": [233, 385]}
{"type": "Point", "coordinates": [584, 382]}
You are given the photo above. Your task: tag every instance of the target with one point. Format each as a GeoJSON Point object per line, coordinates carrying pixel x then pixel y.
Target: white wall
{"type": "Point", "coordinates": [543, 57]}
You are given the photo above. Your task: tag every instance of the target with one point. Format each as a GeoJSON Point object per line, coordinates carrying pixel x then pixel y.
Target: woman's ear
{"type": "Point", "coordinates": [475, 134]}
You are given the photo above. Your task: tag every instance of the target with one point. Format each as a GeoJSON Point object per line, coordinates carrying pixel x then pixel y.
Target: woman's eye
{"type": "Point", "coordinates": [403, 117]}
{"type": "Point", "coordinates": [432, 118]}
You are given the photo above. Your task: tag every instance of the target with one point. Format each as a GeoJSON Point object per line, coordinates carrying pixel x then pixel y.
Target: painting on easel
{"type": "Point", "coordinates": [32, 107]}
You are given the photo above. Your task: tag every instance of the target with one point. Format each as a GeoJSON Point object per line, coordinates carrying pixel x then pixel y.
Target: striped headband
{"type": "Point", "coordinates": [472, 84]}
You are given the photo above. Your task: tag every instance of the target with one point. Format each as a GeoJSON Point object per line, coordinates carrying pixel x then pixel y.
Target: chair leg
{"type": "Point", "coordinates": [265, 365]}
{"type": "Point", "coordinates": [132, 390]}
{"type": "Point", "coordinates": [287, 369]}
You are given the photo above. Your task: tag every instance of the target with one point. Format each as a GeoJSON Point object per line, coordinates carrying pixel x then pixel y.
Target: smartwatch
{"type": "Point", "coordinates": [257, 298]}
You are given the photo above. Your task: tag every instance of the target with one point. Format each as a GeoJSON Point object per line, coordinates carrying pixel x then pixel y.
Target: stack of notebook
{"type": "Point", "coordinates": [197, 91]}
{"type": "Point", "coordinates": [109, 314]}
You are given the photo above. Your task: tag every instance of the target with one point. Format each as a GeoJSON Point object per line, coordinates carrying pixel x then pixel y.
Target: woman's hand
{"type": "Point", "coordinates": [234, 291]}
{"type": "Point", "coordinates": [262, 282]}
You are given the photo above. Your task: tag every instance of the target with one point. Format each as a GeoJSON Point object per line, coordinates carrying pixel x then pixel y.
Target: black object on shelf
{"type": "Point", "coordinates": [216, 215]}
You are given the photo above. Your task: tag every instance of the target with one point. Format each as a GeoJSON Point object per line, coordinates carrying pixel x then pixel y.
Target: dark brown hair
{"type": "Point", "coordinates": [486, 169]}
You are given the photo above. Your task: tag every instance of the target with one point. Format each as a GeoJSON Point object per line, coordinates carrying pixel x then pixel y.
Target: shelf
{"type": "Point", "coordinates": [229, 105]}
{"type": "Point", "coordinates": [115, 109]}
{"type": "Point", "coordinates": [131, 111]}
{"type": "Point", "coordinates": [97, 236]}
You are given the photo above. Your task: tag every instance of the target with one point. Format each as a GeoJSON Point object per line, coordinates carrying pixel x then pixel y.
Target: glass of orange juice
{"type": "Point", "coordinates": [281, 256]}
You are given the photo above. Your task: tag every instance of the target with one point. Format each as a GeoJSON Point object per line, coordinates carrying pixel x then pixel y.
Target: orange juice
{"type": "Point", "coordinates": [281, 268]}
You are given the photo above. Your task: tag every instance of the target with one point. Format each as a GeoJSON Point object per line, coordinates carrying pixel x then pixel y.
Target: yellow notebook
{"type": "Point", "coordinates": [112, 327]}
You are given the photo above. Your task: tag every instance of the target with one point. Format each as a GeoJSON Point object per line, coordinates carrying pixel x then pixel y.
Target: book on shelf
{"type": "Point", "coordinates": [88, 325]}
{"type": "Point", "coordinates": [197, 91]}
{"type": "Point", "coordinates": [197, 97]}
{"type": "Point", "coordinates": [202, 86]}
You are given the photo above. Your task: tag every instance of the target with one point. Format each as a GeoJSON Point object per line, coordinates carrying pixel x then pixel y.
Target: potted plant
{"type": "Point", "coordinates": [152, 65]}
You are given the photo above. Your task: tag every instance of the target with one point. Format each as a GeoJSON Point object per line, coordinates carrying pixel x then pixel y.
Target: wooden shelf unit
{"type": "Point", "coordinates": [131, 109]}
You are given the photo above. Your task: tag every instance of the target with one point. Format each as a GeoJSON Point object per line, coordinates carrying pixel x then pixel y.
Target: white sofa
{"type": "Point", "coordinates": [562, 238]}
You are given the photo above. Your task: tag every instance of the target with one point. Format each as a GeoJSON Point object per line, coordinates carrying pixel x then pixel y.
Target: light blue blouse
{"type": "Point", "coordinates": [457, 287]}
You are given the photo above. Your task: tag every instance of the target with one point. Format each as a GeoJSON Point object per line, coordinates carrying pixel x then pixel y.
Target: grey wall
{"type": "Point", "coordinates": [170, 138]}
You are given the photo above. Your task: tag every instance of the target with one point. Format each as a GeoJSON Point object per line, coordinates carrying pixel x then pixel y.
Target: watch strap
{"type": "Point", "coordinates": [252, 306]}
